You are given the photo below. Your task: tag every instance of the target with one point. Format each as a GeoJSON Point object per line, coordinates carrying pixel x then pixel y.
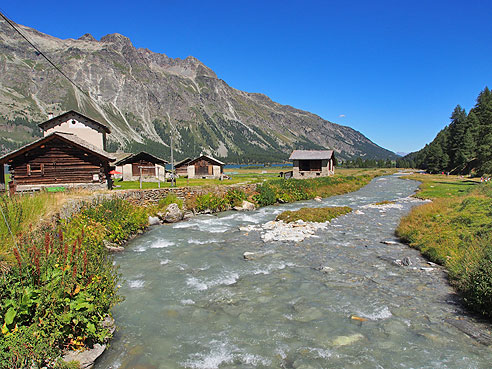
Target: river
{"type": "Point", "coordinates": [336, 300]}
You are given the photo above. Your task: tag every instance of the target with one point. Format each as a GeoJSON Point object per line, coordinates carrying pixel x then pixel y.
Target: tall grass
{"type": "Point", "coordinates": [456, 231]}
{"type": "Point", "coordinates": [21, 213]}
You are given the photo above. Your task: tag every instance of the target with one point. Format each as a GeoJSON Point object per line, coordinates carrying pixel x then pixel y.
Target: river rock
{"type": "Point", "coordinates": [112, 247]}
{"type": "Point", "coordinates": [317, 198]}
{"type": "Point", "coordinates": [406, 261]}
{"type": "Point", "coordinates": [245, 206]}
{"type": "Point", "coordinates": [154, 221]}
{"type": "Point", "coordinates": [172, 214]}
{"type": "Point", "coordinates": [389, 242]}
{"type": "Point", "coordinates": [251, 255]}
{"type": "Point", "coordinates": [347, 340]}
{"type": "Point", "coordinates": [85, 358]}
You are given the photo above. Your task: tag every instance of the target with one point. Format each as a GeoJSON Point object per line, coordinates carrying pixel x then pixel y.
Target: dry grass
{"type": "Point", "coordinates": [318, 215]}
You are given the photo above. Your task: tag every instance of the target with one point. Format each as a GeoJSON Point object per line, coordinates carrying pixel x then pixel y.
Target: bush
{"type": "Point", "coordinates": [59, 291]}
{"type": "Point", "coordinates": [212, 202]}
{"type": "Point", "coordinates": [235, 197]}
{"type": "Point", "coordinates": [170, 199]}
{"type": "Point", "coordinates": [266, 195]}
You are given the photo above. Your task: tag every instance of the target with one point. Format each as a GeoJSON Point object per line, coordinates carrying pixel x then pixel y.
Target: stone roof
{"type": "Point", "coordinates": [311, 155]}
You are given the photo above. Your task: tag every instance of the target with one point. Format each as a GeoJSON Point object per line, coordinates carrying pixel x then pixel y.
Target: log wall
{"type": "Point", "coordinates": [58, 162]}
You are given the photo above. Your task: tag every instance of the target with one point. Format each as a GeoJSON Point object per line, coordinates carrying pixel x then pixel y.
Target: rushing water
{"type": "Point", "coordinates": [192, 301]}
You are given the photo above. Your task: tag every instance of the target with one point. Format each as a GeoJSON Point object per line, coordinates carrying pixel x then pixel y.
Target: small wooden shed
{"type": "Point", "coordinates": [59, 159]}
{"type": "Point", "coordinates": [181, 167]}
{"type": "Point", "coordinates": [143, 163]}
{"type": "Point", "coordinates": [205, 167]}
{"type": "Point", "coordinates": [313, 163]}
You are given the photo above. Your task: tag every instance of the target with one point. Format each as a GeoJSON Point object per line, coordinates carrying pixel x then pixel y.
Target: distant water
{"type": "Point", "coordinates": [193, 302]}
{"type": "Point", "coordinates": [236, 166]}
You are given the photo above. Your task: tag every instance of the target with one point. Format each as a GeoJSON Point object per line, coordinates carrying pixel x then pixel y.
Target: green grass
{"type": "Point", "coordinates": [455, 230]}
{"type": "Point", "coordinates": [318, 215]}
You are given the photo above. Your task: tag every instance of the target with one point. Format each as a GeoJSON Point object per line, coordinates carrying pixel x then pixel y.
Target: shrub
{"type": "Point", "coordinates": [211, 202]}
{"type": "Point", "coordinates": [266, 195]}
{"type": "Point", "coordinates": [170, 199]}
{"type": "Point", "coordinates": [235, 197]}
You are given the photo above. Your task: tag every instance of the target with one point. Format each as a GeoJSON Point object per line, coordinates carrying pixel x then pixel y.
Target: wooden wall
{"type": "Point", "coordinates": [58, 162]}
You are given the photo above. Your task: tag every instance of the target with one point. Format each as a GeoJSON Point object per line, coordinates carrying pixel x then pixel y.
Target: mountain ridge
{"type": "Point", "coordinates": [143, 96]}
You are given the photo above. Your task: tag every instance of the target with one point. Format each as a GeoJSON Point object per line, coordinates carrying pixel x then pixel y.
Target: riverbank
{"type": "Point", "coordinates": [58, 285]}
{"type": "Point", "coordinates": [293, 304]}
{"type": "Point", "coordinates": [455, 230]}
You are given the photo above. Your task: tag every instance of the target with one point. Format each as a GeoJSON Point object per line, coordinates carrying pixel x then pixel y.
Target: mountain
{"type": "Point", "coordinates": [142, 95]}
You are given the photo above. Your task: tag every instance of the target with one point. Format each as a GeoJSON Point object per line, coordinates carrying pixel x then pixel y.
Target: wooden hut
{"type": "Point", "coordinates": [59, 159]}
{"type": "Point", "coordinates": [313, 163]}
{"type": "Point", "coordinates": [205, 167]}
{"type": "Point", "coordinates": [141, 164]}
{"type": "Point", "coordinates": [181, 167]}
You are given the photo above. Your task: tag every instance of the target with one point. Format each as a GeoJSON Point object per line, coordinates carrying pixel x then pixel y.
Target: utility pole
{"type": "Point", "coordinates": [173, 176]}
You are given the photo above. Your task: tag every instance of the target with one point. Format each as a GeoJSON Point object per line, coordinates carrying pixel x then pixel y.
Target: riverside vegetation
{"type": "Point", "coordinates": [57, 282]}
{"type": "Point", "coordinates": [318, 215]}
{"type": "Point", "coordinates": [455, 230]}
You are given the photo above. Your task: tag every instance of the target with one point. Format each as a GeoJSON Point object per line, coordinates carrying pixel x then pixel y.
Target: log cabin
{"type": "Point", "coordinates": [57, 159]}
{"type": "Point", "coordinates": [313, 163]}
{"type": "Point", "coordinates": [149, 166]}
{"type": "Point", "coordinates": [205, 167]}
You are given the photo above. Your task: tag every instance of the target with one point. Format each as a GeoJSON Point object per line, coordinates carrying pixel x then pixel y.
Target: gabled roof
{"type": "Point", "coordinates": [182, 162]}
{"type": "Point", "coordinates": [141, 156]}
{"type": "Point", "coordinates": [206, 157]}
{"type": "Point", "coordinates": [61, 117]}
{"type": "Point", "coordinates": [311, 155]}
{"type": "Point", "coordinates": [67, 137]}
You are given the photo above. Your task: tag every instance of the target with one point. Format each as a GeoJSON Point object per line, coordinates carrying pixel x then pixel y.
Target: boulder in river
{"type": "Point", "coordinates": [154, 221]}
{"type": "Point", "coordinates": [85, 358]}
{"type": "Point", "coordinates": [251, 255]}
{"type": "Point", "coordinates": [347, 340]}
{"type": "Point", "coordinates": [172, 214]}
{"type": "Point", "coordinates": [245, 206]}
{"type": "Point", "coordinates": [317, 198]}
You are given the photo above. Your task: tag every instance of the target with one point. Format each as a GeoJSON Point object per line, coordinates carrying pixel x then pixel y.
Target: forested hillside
{"type": "Point", "coordinates": [464, 146]}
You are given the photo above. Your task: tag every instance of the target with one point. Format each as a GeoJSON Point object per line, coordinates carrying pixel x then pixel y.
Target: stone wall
{"type": "Point", "coordinates": [148, 197]}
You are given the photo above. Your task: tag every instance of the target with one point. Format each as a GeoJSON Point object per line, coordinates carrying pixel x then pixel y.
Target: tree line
{"type": "Point", "coordinates": [462, 147]}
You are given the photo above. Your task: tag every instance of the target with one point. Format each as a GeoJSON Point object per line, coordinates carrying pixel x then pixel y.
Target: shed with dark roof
{"type": "Point", "coordinates": [142, 164]}
{"type": "Point", "coordinates": [313, 163]}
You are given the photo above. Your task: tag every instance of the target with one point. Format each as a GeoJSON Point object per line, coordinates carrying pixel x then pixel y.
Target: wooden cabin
{"type": "Point", "coordinates": [181, 168]}
{"type": "Point", "coordinates": [205, 167]}
{"type": "Point", "coordinates": [58, 159]}
{"type": "Point", "coordinates": [313, 163]}
{"type": "Point", "coordinates": [142, 164]}
{"type": "Point", "coordinates": [79, 125]}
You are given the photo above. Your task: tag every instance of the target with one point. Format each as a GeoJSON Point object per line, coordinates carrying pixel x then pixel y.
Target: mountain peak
{"type": "Point", "coordinates": [116, 38]}
{"type": "Point", "coordinates": [87, 37]}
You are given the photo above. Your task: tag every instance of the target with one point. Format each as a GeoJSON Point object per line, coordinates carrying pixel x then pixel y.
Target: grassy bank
{"type": "Point", "coordinates": [318, 215]}
{"type": "Point", "coordinates": [455, 230]}
{"type": "Point", "coordinates": [57, 283]}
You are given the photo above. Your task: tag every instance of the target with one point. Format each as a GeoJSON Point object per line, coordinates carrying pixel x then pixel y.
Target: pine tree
{"type": "Point", "coordinates": [483, 111]}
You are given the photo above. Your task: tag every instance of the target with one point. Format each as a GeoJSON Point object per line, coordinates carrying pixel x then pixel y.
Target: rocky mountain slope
{"type": "Point", "coordinates": [142, 95]}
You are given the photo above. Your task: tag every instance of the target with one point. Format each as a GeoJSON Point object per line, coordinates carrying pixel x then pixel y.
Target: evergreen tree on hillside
{"type": "Point", "coordinates": [483, 111]}
{"type": "Point", "coordinates": [464, 145]}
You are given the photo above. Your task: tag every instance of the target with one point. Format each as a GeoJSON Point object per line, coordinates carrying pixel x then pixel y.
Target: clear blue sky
{"type": "Point", "coordinates": [393, 70]}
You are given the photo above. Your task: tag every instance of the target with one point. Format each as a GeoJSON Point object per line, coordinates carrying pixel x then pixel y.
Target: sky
{"type": "Point", "coordinates": [393, 70]}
